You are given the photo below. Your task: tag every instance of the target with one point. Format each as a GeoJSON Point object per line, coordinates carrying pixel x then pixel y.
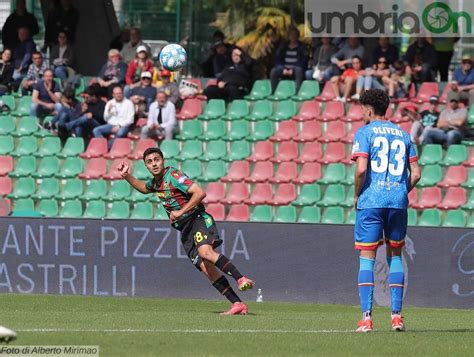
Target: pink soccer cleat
{"type": "Point", "coordinates": [397, 323]}
{"type": "Point", "coordinates": [245, 283]}
{"type": "Point", "coordinates": [237, 308]}
{"type": "Point", "coordinates": [365, 325]}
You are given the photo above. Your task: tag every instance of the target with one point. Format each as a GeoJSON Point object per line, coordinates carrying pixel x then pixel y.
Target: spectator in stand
{"type": "Point", "coordinates": [63, 17]}
{"type": "Point", "coordinates": [234, 81]}
{"type": "Point", "coordinates": [46, 98]}
{"type": "Point", "coordinates": [346, 83]}
{"type": "Point", "coordinates": [219, 56]}
{"type": "Point", "coordinates": [22, 54]}
{"type": "Point", "coordinates": [112, 72]}
{"type": "Point", "coordinates": [143, 95]}
{"type": "Point", "coordinates": [463, 80]}
{"type": "Point", "coordinates": [444, 47]}
{"type": "Point", "coordinates": [119, 115]}
{"type": "Point", "coordinates": [71, 109]}
{"type": "Point", "coordinates": [374, 78]}
{"type": "Point", "coordinates": [291, 60]}
{"type": "Point", "coordinates": [421, 60]}
{"type": "Point", "coordinates": [63, 57]}
{"type": "Point", "coordinates": [142, 63]}
{"type": "Point", "coordinates": [129, 49]}
{"type": "Point", "coordinates": [18, 19]}
{"type": "Point", "coordinates": [122, 38]}
{"type": "Point", "coordinates": [451, 124]}
{"type": "Point", "coordinates": [171, 89]}
{"type": "Point", "coordinates": [6, 72]}
{"type": "Point", "coordinates": [322, 55]}
{"type": "Point", "coordinates": [342, 59]}
{"type": "Point", "coordinates": [161, 118]}
{"type": "Point", "coordinates": [423, 122]}
{"type": "Point", "coordinates": [385, 49]}
{"type": "Point", "coordinates": [35, 73]}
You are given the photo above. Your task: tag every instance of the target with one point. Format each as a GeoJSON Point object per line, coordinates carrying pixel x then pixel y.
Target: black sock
{"type": "Point", "coordinates": [222, 285]}
{"type": "Point", "coordinates": [226, 266]}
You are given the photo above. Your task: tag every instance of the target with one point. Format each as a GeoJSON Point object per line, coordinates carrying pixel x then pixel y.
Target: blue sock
{"type": "Point", "coordinates": [396, 279]}
{"type": "Point", "coordinates": [366, 284]}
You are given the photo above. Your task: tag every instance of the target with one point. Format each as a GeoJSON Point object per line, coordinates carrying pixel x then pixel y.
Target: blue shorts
{"type": "Point", "coordinates": [373, 224]}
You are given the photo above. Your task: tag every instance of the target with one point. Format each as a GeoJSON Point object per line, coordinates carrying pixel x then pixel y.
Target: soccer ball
{"type": "Point", "coordinates": [173, 57]}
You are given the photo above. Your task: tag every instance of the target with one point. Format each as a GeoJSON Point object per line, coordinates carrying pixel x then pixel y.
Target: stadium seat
{"type": "Point", "coordinates": [239, 150]}
{"type": "Point", "coordinates": [142, 210]}
{"type": "Point", "coordinates": [50, 147]}
{"type": "Point", "coordinates": [215, 192]}
{"type": "Point", "coordinates": [26, 126]}
{"type": "Point", "coordinates": [262, 172]}
{"type": "Point", "coordinates": [262, 151]}
{"type": "Point", "coordinates": [309, 195]}
{"type": "Point", "coordinates": [455, 155]}
{"type": "Point", "coordinates": [139, 170]}
{"type": "Point", "coordinates": [141, 146]}
{"type": "Point", "coordinates": [470, 115]}
{"type": "Point", "coordinates": [216, 130]}
{"type": "Point", "coordinates": [71, 209]}
{"type": "Point", "coordinates": [192, 149]}
{"type": "Point", "coordinates": [49, 188]}
{"type": "Point", "coordinates": [285, 214]}
{"type": "Point", "coordinates": [10, 102]}
{"type": "Point", "coordinates": [96, 168]}
{"type": "Point", "coordinates": [260, 90]}
{"type": "Point", "coordinates": [287, 130]}
{"type": "Point", "coordinates": [455, 176]}
{"type": "Point", "coordinates": [412, 197]}
{"type": "Point", "coordinates": [238, 213]}
{"type": "Point", "coordinates": [95, 209]}
{"type": "Point", "coordinates": [172, 163]}
{"type": "Point", "coordinates": [288, 151]}
{"type": "Point", "coordinates": [121, 148]}
{"type": "Point", "coordinates": [191, 108]}
{"type": "Point", "coordinates": [286, 172]}
{"type": "Point", "coordinates": [333, 215]}
{"type": "Point", "coordinates": [6, 165]}
{"type": "Point", "coordinates": [262, 131]}
{"type": "Point", "coordinates": [469, 205]}
{"type": "Point", "coordinates": [430, 217]}
{"type": "Point", "coordinates": [469, 182]}
{"type": "Point", "coordinates": [284, 90]}
{"type": "Point", "coordinates": [238, 193]}
{"type": "Point", "coordinates": [333, 195]}
{"type": "Point", "coordinates": [119, 190]}
{"type": "Point", "coordinates": [262, 109]}
{"type": "Point", "coordinates": [72, 189]}
{"type": "Point", "coordinates": [25, 166]}
{"type": "Point", "coordinates": [349, 200]}
{"type": "Point", "coordinates": [430, 175]}
{"type": "Point", "coordinates": [430, 197]}
{"type": "Point", "coordinates": [310, 172]}
{"type": "Point", "coordinates": [72, 167]}
{"type": "Point", "coordinates": [349, 178]}
{"type": "Point", "coordinates": [354, 114]}
{"type": "Point", "coordinates": [6, 145]}
{"type": "Point", "coordinates": [311, 152]}
{"type": "Point", "coordinates": [23, 205]}
{"type": "Point", "coordinates": [309, 110]}
{"type": "Point", "coordinates": [192, 169]}
{"type": "Point", "coordinates": [215, 150]}
{"type": "Point", "coordinates": [470, 160]}
{"type": "Point", "coordinates": [215, 108]}
{"type": "Point", "coordinates": [113, 173]}
{"type": "Point", "coordinates": [216, 210]}
{"type": "Point", "coordinates": [310, 131]}
{"type": "Point", "coordinates": [412, 217]}
{"type": "Point", "coordinates": [160, 213]}
{"type": "Point", "coordinates": [7, 126]}
{"type": "Point", "coordinates": [24, 107]}
{"type": "Point", "coordinates": [97, 148]}
{"type": "Point", "coordinates": [23, 188]}
{"type": "Point", "coordinates": [137, 196]}
{"type": "Point", "coordinates": [94, 190]}
{"type": "Point", "coordinates": [284, 195]}
{"type": "Point", "coordinates": [335, 131]}
{"type": "Point", "coordinates": [238, 109]}
{"type": "Point", "coordinates": [262, 194]}
{"type": "Point", "coordinates": [426, 90]}
{"type": "Point", "coordinates": [310, 214]}
{"type": "Point", "coordinates": [335, 152]}
{"type": "Point", "coordinates": [444, 88]}
{"type": "Point", "coordinates": [333, 173]}
{"type": "Point", "coordinates": [309, 90]}
{"type": "Point", "coordinates": [6, 186]}
{"type": "Point", "coordinates": [214, 171]}
{"type": "Point", "coordinates": [119, 210]}
{"type": "Point", "coordinates": [48, 208]}
{"type": "Point", "coordinates": [72, 148]}
{"type": "Point", "coordinates": [191, 130]}
{"type": "Point", "coordinates": [262, 213]}
{"type": "Point", "coordinates": [455, 218]}
{"type": "Point", "coordinates": [431, 154]}
{"type": "Point", "coordinates": [285, 110]}
{"type": "Point", "coordinates": [238, 171]}
{"type": "Point", "coordinates": [454, 198]}
{"type": "Point", "coordinates": [349, 137]}
{"type": "Point", "coordinates": [170, 149]}
{"type": "Point", "coordinates": [327, 94]}
{"type": "Point", "coordinates": [398, 117]}
{"type": "Point", "coordinates": [333, 111]}
{"type": "Point", "coordinates": [239, 130]}
{"type": "Point", "coordinates": [27, 145]}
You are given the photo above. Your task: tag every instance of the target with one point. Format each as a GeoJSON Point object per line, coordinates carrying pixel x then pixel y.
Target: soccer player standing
{"type": "Point", "coordinates": [386, 170]}
{"type": "Point", "coordinates": [182, 200]}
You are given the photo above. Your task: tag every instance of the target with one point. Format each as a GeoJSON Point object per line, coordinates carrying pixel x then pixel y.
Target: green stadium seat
{"type": "Point", "coordinates": [119, 190]}
{"type": "Point", "coordinates": [239, 150]}
{"type": "Point", "coordinates": [239, 131]}
{"type": "Point", "coordinates": [80, 87]}
{"type": "Point", "coordinates": [333, 215]}
{"type": "Point", "coordinates": [310, 194]}
{"type": "Point", "coordinates": [261, 213]}
{"type": "Point", "coordinates": [455, 218]}
{"type": "Point", "coordinates": [193, 169]}
{"type": "Point", "coordinates": [470, 115]}
{"type": "Point", "coordinates": [192, 149]}
{"type": "Point", "coordinates": [214, 171]}
{"type": "Point", "coordinates": [469, 183]}
{"type": "Point", "coordinates": [7, 145]}
{"type": "Point", "coordinates": [262, 109]}
{"type": "Point", "coordinates": [27, 145]}
{"type": "Point", "coordinates": [94, 190]}
{"type": "Point", "coordinates": [309, 90]}
{"type": "Point", "coordinates": [49, 188]}
{"type": "Point", "coordinates": [215, 108]}
{"type": "Point", "coordinates": [430, 175]}
{"type": "Point", "coordinates": [50, 147]}
{"type": "Point", "coordinates": [137, 196]}
{"type": "Point", "coordinates": [25, 166]}
{"type": "Point", "coordinates": [238, 109]}
{"type": "Point", "coordinates": [431, 154]}
{"type": "Point", "coordinates": [430, 217]}
{"type": "Point", "coordinates": [24, 107]}
{"type": "Point", "coordinates": [216, 130]}
{"type": "Point", "coordinates": [216, 150]}
{"type": "Point", "coordinates": [170, 148]}
{"type": "Point", "coordinates": [333, 195]}
{"type": "Point", "coordinates": [26, 126]}
{"type": "Point", "coordinates": [48, 167]}
{"type": "Point", "coordinates": [48, 208]}
{"type": "Point", "coordinates": [72, 189]}
{"type": "Point", "coordinates": [7, 125]}
{"type": "Point", "coordinates": [412, 217]}
{"type": "Point", "coordinates": [72, 167]}
{"type": "Point", "coordinates": [71, 209]}
{"type": "Point", "coordinates": [469, 205]}
{"type": "Point", "coordinates": [142, 210]}
{"type": "Point", "coordinates": [95, 209]}
{"type": "Point", "coordinates": [260, 90]}
{"type": "Point", "coordinates": [119, 210]}
{"type": "Point", "coordinates": [263, 130]}
{"type": "Point", "coordinates": [284, 90]}
{"type": "Point", "coordinates": [351, 217]}
{"type": "Point", "coordinates": [72, 148]}
{"type": "Point", "coordinates": [191, 130]}
{"type": "Point", "coordinates": [310, 214]}
{"type": "Point", "coordinates": [284, 111]}
{"type": "Point", "coordinates": [455, 155]}
{"type": "Point", "coordinates": [285, 214]}
{"type": "Point", "coordinates": [172, 163]}
{"type": "Point", "coordinates": [334, 173]}
{"type": "Point", "coordinates": [350, 172]}
{"type": "Point", "coordinates": [10, 102]}
{"type": "Point", "coordinates": [23, 205]}
{"type": "Point", "coordinates": [349, 200]}
{"type": "Point", "coordinates": [140, 171]}
{"type": "Point", "coordinates": [160, 213]}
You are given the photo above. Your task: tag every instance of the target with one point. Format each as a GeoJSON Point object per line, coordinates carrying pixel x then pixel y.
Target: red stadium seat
{"type": "Point", "coordinates": [262, 194]}
{"type": "Point", "coordinates": [211, 82]}
{"type": "Point", "coordinates": [335, 152]}
{"type": "Point", "coordinates": [333, 111]}
{"type": "Point", "coordinates": [335, 131]}
{"type": "Point", "coordinates": [406, 127]}
{"type": "Point", "coordinates": [444, 96]}
{"type": "Point", "coordinates": [216, 210]}
{"type": "Point", "coordinates": [470, 160]}
{"type": "Point", "coordinates": [238, 193]}
{"type": "Point", "coordinates": [285, 194]}
{"type": "Point", "coordinates": [95, 169]}
{"type": "Point", "coordinates": [262, 172]}
{"type": "Point", "coordinates": [191, 109]}
{"type": "Point", "coordinates": [311, 152]}
{"type": "Point", "coordinates": [262, 151]}
{"type": "Point", "coordinates": [310, 131]}
{"type": "Point", "coordinates": [140, 148]}
{"type": "Point", "coordinates": [454, 198]}
{"type": "Point", "coordinates": [238, 213]}
{"type": "Point", "coordinates": [397, 117]}
{"type": "Point", "coordinates": [288, 151]}
{"type": "Point", "coordinates": [238, 171]}
{"type": "Point", "coordinates": [327, 94]}
{"type": "Point", "coordinates": [120, 148]}
{"type": "Point", "coordinates": [455, 175]}
{"type": "Point", "coordinates": [310, 172]}
{"type": "Point", "coordinates": [413, 197]}
{"type": "Point", "coordinates": [310, 110]}
{"type": "Point", "coordinates": [5, 207]}
{"type": "Point", "coordinates": [97, 148]}
{"type": "Point", "coordinates": [6, 185]}
{"type": "Point", "coordinates": [6, 165]}
{"type": "Point", "coordinates": [287, 130]}
{"type": "Point", "coordinates": [354, 113]}
{"type": "Point", "coordinates": [349, 138]}
{"type": "Point", "coordinates": [215, 192]}
{"type": "Point", "coordinates": [427, 89]}
{"type": "Point", "coordinates": [287, 172]}
{"type": "Point", "coordinates": [113, 173]}
{"type": "Point", "coordinates": [429, 198]}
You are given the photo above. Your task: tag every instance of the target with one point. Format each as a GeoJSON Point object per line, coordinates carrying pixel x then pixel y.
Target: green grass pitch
{"type": "Point", "coordinates": [155, 327]}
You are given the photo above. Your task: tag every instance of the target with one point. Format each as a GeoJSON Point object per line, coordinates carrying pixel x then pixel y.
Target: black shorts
{"type": "Point", "coordinates": [199, 231]}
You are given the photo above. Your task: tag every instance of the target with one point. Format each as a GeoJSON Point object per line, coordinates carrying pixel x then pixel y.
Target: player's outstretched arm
{"type": "Point", "coordinates": [197, 195]}
{"type": "Point", "coordinates": [415, 174]}
{"type": "Point", "coordinates": [138, 185]}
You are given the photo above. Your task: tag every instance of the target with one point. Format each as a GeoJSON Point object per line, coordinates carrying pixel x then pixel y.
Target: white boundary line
{"type": "Point", "coordinates": [189, 331]}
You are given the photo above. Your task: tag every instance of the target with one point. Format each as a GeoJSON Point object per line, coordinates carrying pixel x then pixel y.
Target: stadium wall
{"type": "Point", "coordinates": [289, 262]}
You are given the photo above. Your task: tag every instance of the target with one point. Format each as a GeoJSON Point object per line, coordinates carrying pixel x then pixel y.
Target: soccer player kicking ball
{"type": "Point", "coordinates": [182, 199]}
{"type": "Point", "coordinates": [386, 170]}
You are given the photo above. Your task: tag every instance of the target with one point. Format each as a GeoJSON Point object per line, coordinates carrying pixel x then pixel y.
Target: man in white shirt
{"type": "Point", "coordinates": [161, 118]}
{"type": "Point", "coordinates": [119, 114]}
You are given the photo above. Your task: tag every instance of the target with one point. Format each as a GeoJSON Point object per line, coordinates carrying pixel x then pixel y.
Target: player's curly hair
{"type": "Point", "coordinates": [377, 99]}
{"type": "Point", "coordinates": [153, 150]}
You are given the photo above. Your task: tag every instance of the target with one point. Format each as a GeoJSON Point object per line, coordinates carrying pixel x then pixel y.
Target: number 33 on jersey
{"type": "Point", "coordinates": [389, 152]}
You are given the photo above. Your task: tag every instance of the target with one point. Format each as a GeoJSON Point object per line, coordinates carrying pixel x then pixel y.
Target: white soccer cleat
{"type": "Point", "coordinates": [7, 335]}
